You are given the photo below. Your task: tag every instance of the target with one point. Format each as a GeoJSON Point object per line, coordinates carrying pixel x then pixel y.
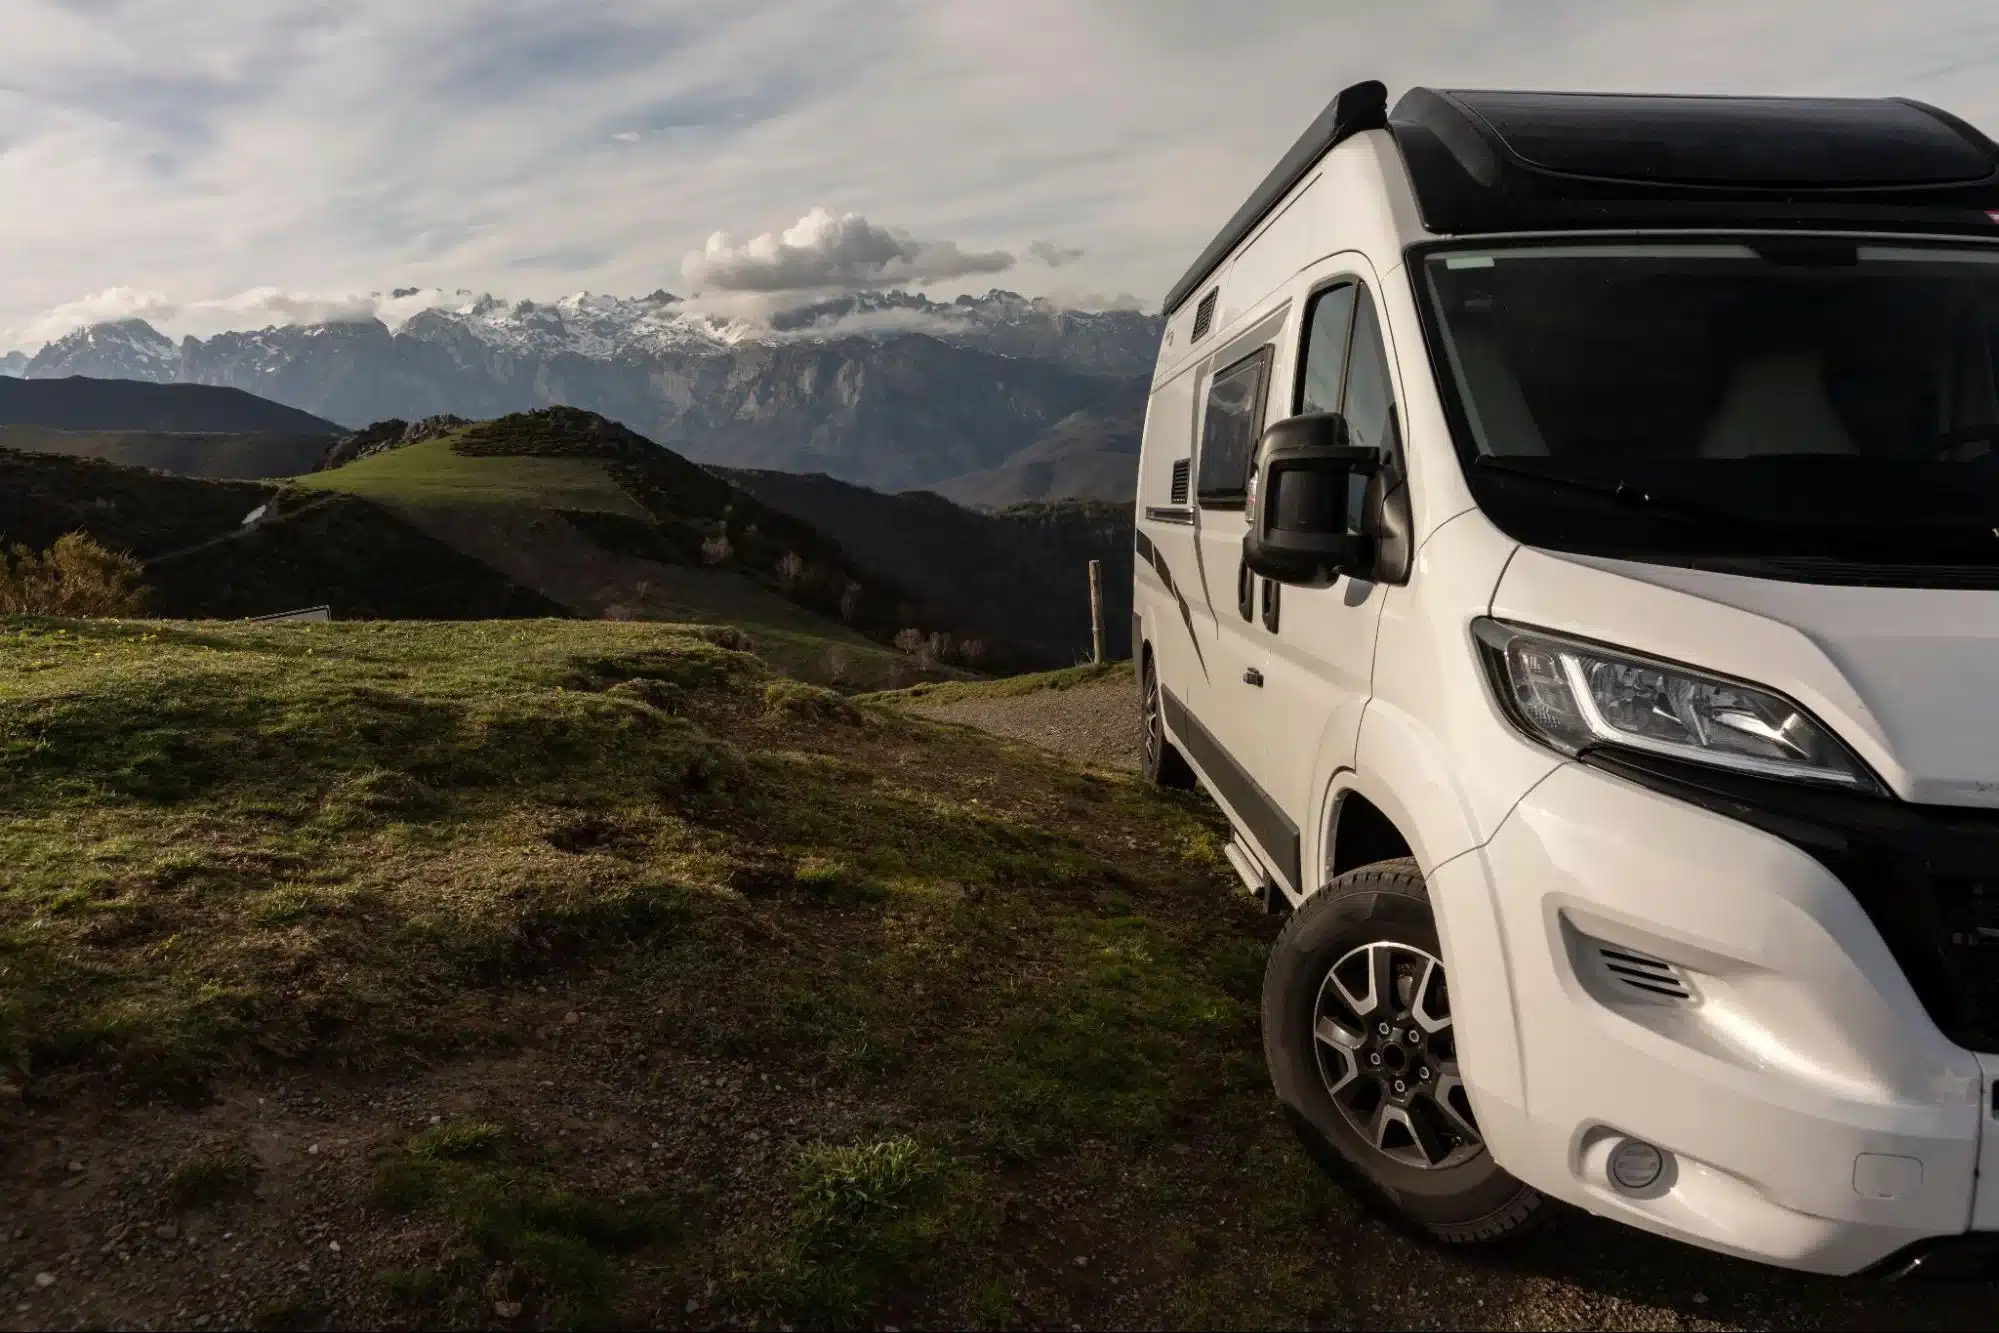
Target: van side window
{"type": "Point", "coordinates": [1370, 396]}
{"type": "Point", "coordinates": [1324, 363]}
{"type": "Point", "coordinates": [1229, 430]}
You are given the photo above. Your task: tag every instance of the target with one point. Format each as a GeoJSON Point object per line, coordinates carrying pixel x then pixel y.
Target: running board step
{"type": "Point", "coordinates": [1260, 885]}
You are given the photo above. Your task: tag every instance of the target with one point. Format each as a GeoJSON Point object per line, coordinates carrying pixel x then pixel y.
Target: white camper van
{"type": "Point", "coordinates": [1568, 549]}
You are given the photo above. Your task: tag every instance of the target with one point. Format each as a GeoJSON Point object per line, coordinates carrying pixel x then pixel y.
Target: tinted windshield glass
{"type": "Point", "coordinates": [1794, 398]}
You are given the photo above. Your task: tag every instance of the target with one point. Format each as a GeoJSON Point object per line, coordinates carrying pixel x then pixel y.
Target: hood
{"type": "Point", "coordinates": [1908, 677]}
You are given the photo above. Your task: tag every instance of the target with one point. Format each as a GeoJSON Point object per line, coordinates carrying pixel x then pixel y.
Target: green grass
{"type": "Point", "coordinates": [1012, 1005]}
{"type": "Point", "coordinates": [864, 1221]}
{"type": "Point", "coordinates": [509, 1208]}
{"type": "Point", "coordinates": [950, 691]}
{"type": "Point", "coordinates": [430, 472]}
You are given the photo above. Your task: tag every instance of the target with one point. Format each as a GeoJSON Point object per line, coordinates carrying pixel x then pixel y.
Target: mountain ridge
{"type": "Point", "coordinates": [78, 402]}
{"type": "Point", "coordinates": [886, 389]}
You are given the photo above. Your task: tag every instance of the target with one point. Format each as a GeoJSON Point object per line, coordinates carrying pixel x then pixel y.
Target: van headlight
{"type": "Point", "coordinates": [1574, 695]}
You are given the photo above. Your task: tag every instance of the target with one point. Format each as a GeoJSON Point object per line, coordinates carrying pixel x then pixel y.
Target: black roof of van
{"type": "Point", "coordinates": [1498, 161]}
{"type": "Point", "coordinates": [1484, 162]}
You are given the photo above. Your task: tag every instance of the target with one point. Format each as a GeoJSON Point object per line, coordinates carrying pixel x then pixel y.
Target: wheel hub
{"type": "Point", "coordinates": [1387, 1051]}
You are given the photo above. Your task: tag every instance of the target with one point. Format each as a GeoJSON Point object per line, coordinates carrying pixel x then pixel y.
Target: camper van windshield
{"type": "Point", "coordinates": [1775, 398]}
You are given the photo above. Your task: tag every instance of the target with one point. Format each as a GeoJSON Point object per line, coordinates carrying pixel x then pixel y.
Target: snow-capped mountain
{"type": "Point", "coordinates": [888, 389]}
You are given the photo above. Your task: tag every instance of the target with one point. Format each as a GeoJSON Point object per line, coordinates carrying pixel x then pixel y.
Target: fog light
{"type": "Point", "coordinates": [1635, 1165]}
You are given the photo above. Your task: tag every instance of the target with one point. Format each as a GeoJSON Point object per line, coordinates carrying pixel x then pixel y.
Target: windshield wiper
{"type": "Point", "coordinates": [1626, 493]}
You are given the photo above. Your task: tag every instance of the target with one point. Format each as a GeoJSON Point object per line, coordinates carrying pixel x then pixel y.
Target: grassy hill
{"type": "Point", "coordinates": [83, 403]}
{"type": "Point", "coordinates": [433, 472]}
{"type": "Point", "coordinates": [583, 974]}
{"type": "Point", "coordinates": [604, 521]}
{"type": "Point", "coordinates": [202, 562]}
{"type": "Point", "coordinates": [186, 454]}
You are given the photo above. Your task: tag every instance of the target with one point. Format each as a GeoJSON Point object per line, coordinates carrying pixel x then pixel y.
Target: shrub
{"type": "Point", "coordinates": [74, 577]}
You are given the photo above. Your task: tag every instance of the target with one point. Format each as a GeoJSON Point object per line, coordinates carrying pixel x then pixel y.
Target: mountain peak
{"type": "Point", "coordinates": [119, 349]}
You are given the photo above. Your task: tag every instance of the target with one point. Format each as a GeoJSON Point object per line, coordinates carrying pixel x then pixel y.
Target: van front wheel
{"type": "Point", "coordinates": [1357, 1031]}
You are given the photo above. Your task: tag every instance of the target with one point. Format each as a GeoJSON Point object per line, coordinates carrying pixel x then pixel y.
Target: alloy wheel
{"type": "Point", "coordinates": [1388, 1055]}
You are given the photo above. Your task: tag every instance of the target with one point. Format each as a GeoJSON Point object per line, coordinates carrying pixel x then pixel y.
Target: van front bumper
{"type": "Point", "coordinates": [1686, 968]}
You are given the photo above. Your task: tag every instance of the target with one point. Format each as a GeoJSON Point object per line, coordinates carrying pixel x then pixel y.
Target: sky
{"type": "Point", "coordinates": [212, 164]}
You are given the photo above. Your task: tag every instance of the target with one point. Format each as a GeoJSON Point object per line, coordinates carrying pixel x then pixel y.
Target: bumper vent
{"type": "Point", "coordinates": [1653, 978]}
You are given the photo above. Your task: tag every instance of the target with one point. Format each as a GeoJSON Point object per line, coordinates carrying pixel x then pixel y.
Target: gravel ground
{"type": "Point", "coordinates": [1098, 722]}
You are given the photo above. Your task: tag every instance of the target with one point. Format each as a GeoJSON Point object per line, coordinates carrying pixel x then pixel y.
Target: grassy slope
{"type": "Point", "coordinates": [431, 472]}
{"type": "Point", "coordinates": [657, 510]}
{"type": "Point", "coordinates": [988, 1016]}
{"type": "Point", "coordinates": [228, 849]}
{"type": "Point", "coordinates": [950, 691]}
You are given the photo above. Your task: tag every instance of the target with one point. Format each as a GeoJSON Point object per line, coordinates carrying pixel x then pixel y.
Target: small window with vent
{"type": "Point", "coordinates": [1180, 470]}
{"type": "Point", "coordinates": [1204, 315]}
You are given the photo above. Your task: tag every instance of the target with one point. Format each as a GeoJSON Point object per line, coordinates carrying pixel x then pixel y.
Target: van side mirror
{"type": "Point", "coordinates": [1303, 494]}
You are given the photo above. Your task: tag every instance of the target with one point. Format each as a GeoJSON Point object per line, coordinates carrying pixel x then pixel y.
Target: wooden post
{"type": "Point", "coordinates": [1096, 613]}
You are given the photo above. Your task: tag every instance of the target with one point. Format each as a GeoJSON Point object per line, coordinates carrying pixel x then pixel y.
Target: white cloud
{"type": "Point", "coordinates": [1053, 255]}
{"type": "Point", "coordinates": [1068, 298]}
{"type": "Point", "coordinates": [258, 307]}
{"type": "Point", "coordinates": [314, 146]}
{"type": "Point", "coordinates": [822, 252]}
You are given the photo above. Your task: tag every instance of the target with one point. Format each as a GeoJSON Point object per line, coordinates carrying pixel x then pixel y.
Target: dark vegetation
{"type": "Point", "coordinates": [1019, 576]}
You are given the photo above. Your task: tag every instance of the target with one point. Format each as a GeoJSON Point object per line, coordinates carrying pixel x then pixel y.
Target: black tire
{"type": "Point", "coordinates": [1382, 911]}
{"type": "Point", "coordinates": [1164, 765]}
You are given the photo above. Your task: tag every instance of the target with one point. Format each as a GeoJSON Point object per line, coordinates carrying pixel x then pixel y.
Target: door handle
{"type": "Point", "coordinates": [1253, 677]}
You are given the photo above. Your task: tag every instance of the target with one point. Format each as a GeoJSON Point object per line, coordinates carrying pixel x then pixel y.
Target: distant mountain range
{"type": "Point", "coordinates": [1089, 455]}
{"type": "Point", "coordinates": [995, 399]}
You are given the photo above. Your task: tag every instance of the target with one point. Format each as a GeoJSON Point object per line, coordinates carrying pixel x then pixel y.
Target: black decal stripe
{"type": "Point", "coordinates": [1143, 545]}
{"type": "Point", "coordinates": [1269, 825]}
{"type": "Point", "coordinates": [1157, 558]}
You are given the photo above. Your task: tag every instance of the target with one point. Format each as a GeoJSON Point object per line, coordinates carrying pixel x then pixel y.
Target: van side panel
{"type": "Point", "coordinates": [1166, 583]}
{"type": "Point", "coordinates": [1296, 236]}
{"type": "Point", "coordinates": [1429, 732]}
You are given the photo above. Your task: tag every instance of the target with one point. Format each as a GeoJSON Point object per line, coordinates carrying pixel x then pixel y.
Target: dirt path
{"type": "Point", "coordinates": [1097, 722]}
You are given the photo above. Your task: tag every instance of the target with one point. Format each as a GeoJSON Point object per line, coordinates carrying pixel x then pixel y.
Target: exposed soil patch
{"type": "Point", "coordinates": [1097, 722]}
